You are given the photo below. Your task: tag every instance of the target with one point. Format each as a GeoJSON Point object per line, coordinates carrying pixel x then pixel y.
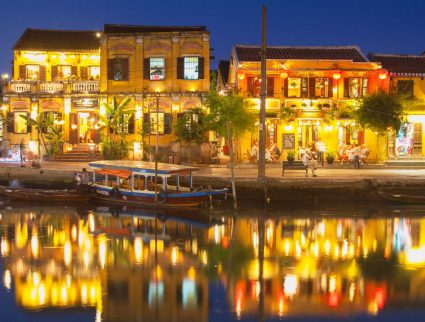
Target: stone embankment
{"type": "Point", "coordinates": [332, 188]}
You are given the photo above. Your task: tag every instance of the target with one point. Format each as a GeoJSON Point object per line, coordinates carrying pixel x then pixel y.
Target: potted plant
{"type": "Point", "coordinates": [330, 157]}
{"type": "Point", "coordinates": [290, 156]}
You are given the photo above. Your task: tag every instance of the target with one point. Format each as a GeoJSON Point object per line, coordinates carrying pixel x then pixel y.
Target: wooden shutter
{"type": "Point", "coordinates": [54, 72]}
{"type": "Point", "coordinates": [22, 72]}
{"type": "Point", "coordinates": [131, 124]}
{"type": "Point", "coordinates": [270, 86]}
{"type": "Point", "coordinates": [111, 69]}
{"type": "Point", "coordinates": [146, 68]}
{"type": "Point", "coordinates": [330, 87]}
{"type": "Point", "coordinates": [347, 87]}
{"type": "Point", "coordinates": [124, 69]}
{"type": "Point", "coordinates": [146, 122]}
{"type": "Point", "coordinates": [73, 133]}
{"type": "Point", "coordinates": [42, 73]}
{"type": "Point", "coordinates": [201, 67]}
{"type": "Point", "coordinates": [167, 123]}
{"type": "Point", "coordinates": [74, 71]}
{"type": "Point", "coordinates": [311, 87]}
{"type": "Point", "coordinates": [180, 68]}
{"type": "Point", "coordinates": [285, 88]}
{"type": "Point", "coordinates": [44, 127]}
{"type": "Point", "coordinates": [10, 120]}
{"type": "Point", "coordinates": [59, 117]}
{"type": "Point", "coordinates": [84, 72]}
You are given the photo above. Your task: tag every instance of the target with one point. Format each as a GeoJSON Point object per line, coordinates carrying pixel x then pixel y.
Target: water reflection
{"type": "Point", "coordinates": [133, 264]}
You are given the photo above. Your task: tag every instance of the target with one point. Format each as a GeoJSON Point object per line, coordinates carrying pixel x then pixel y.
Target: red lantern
{"type": "Point", "coordinates": [382, 75]}
{"type": "Point", "coordinates": [241, 75]}
{"type": "Point", "coordinates": [284, 75]}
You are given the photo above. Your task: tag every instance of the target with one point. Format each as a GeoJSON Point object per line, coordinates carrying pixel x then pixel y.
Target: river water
{"type": "Point", "coordinates": [91, 263]}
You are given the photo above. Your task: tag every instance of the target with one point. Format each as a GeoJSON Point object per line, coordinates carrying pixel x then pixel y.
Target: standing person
{"type": "Point", "coordinates": [21, 152]}
{"type": "Point", "coordinates": [356, 156]}
{"type": "Point", "coordinates": [321, 149]}
{"type": "Point", "coordinates": [254, 153]}
{"type": "Point", "coordinates": [309, 162]}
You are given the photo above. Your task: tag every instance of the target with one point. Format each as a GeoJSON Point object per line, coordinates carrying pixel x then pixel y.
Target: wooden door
{"type": "Point", "coordinates": [417, 140]}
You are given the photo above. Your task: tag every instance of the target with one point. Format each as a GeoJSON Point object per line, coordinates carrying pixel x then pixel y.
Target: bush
{"type": "Point", "coordinates": [114, 149]}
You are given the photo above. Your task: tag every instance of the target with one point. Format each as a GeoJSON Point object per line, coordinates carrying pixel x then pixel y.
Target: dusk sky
{"type": "Point", "coordinates": [384, 26]}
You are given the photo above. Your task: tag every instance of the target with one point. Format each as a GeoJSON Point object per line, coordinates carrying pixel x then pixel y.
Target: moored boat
{"type": "Point", "coordinates": [133, 183]}
{"type": "Point", "coordinates": [43, 194]}
{"type": "Point", "coordinates": [414, 199]}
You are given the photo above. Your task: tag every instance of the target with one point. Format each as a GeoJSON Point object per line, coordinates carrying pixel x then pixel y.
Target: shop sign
{"type": "Point", "coordinates": [288, 140]}
{"type": "Point", "coordinates": [83, 103]}
{"type": "Point", "coordinates": [310, 115]}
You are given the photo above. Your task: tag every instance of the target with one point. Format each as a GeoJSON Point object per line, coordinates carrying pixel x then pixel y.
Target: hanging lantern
{"type": "Point", "coordinates": [382, 75]}
{"type": "Point", "coordinates": [284, 75]}
{"type": "Point", "coordinates": [336, 76]}
{"type": "Point", "coordinates": [241, 75]}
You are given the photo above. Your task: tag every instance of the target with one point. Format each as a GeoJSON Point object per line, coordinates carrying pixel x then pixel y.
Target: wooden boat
{"type": "Point", "coordinates": [133, 183]}
{"type": "Point", "coordinates": [43, 195]}
{"type": "Point", "coordinates": [414, 199]}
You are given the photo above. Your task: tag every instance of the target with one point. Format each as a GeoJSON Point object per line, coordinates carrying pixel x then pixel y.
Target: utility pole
{"type": "Point", "coordinates": [262, 125]}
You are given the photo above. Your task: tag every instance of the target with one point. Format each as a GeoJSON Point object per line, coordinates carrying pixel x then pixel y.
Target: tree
{"type": "Point", "coordinates": [229, 117]}
{"type": "Point", "coordinates": [189, 128]}
{"type": "Point", "coordinates": [380, 112]}
{"type": "Point", "coordinates": [113, 120]}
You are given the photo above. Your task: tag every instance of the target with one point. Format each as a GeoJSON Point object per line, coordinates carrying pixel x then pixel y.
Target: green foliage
{"type": "Point", "coordinates": [114, 148]}
{"type": "Point", "coordinates": [229, 108]}
{"type": "Point", "coordinates": [288, 113]}
{"type": "Point", "coordinates": [331, 154]}
{"type": "Point", "coordinates": [189, 126]}
{"type": "Point", "coordinates": [380, 111]}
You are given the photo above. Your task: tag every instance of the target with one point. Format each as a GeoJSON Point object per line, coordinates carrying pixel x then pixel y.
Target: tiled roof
{"type": "Point", "coordinates": [252, 53]}
{"type": "Point", "coordinates": [60, 40]}
{"type": "Point", "coordinates": [126, 29]}
{"type": "Point", "coordinates": [400, 65]}
{"type": "Point", "coordinates": [223, 70]}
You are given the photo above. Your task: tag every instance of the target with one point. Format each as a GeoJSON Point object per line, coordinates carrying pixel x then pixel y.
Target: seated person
{"type": "Point", "coordinates": [342, 153]}
{"type": "Point", "coordinates": [275, 154]}
{"type": "Point", "coordinates": [364, 153]}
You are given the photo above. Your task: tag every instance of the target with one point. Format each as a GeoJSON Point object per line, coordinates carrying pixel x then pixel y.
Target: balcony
{"type": "Point", "coordinates": [57, 87]}
{"type": "Point", "coordinates": [85, 87]}
{"type": "Point", "coordinates": [50, 87]}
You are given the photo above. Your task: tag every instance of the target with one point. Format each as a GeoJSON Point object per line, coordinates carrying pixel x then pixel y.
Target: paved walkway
{"type": "Point", "coordinates": [271, 171]}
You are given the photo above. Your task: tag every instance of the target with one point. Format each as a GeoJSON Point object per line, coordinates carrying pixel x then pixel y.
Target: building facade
{"type": "Point", "coordinates": [407, 74]}
{"type": "Point", "coordinates": [309, 93]}
{"type": "Point", "coordinates": [70, 75]}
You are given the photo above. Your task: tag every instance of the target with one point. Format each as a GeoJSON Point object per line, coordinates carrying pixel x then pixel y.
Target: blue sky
{"type": "Point", "coordinates": [384, 26]}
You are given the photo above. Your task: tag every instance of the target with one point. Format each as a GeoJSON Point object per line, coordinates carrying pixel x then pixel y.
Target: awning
{"type": "Point", "coordinates": [114, 172]}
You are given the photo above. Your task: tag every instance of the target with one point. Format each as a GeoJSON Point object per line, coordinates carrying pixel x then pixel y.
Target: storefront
{"type": "Point", "coordinates": [408, 140]}
{"type": "Point", "coordinates": [83, 121]}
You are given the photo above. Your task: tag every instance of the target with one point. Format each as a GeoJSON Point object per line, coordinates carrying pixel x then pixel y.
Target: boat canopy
{"type": "Point", "coordinates": [140, 167]}
{"type": "Point", "coordinates": [125, 174]}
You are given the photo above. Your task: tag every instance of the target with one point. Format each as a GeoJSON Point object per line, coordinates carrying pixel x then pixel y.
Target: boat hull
{"type": "Point", "coordinates": [42, 195]}
{"type": "Point", "coordinates": [411, 199]}
{"type": "Point", "coordinates": [123, 197]}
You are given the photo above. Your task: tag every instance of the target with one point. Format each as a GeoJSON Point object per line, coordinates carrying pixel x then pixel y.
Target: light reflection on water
{"type": "Point", "coordinates": [135, 265]}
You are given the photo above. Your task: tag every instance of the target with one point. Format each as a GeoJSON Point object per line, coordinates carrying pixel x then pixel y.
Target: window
{"type": "Point", "coordinates": [405, 88]}
{"type": "Point", "coordinates": [191, 67]}
{"type": "Point", "coordinates": [32, 72]}
{"type": "Point", "coordinates": [321, 88]}
{"type": "Point", "coordinates": [94, 72]}
{"type": "Point", "coordinates": [64, 71]}
{"type": "Point", "coordinates": [118, 69]}
{"type": "Point", "coordinates": [355, 87]}
{"type": "Point", "coordinates": [157, 68]}
{"type": "Point", "coordinates": [19, 122]}
{"type": "Point", "coordinates": [294, 87]}
{"type": "Point", "coordinates": [54, 118]}
{"type": "Point", "coordinates": [152, 122]}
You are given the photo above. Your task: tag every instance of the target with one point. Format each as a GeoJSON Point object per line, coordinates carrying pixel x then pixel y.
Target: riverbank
{"type": "Point", "coordinates": [330, 185]}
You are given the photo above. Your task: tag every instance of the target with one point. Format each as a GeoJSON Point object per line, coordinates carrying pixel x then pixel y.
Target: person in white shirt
{"type": "Point", "coordinates": [254, 152]}
{"type": "Point", "coordinates": [321, 149]}
{"type": "Point", "coordinates": [309, 162]}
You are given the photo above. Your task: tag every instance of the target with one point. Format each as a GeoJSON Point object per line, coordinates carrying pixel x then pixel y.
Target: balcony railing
{"type": "Point", "coordinates": [85, 86]}
{"type": "Point", "coordinates": [50, 87]}
{"type": "Point", "coordinates": [23, 87]}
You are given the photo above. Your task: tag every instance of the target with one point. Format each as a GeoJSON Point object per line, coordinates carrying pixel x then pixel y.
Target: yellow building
{"type": "Point", "coordinates": [55, 72]}
{"type": "Point", "coordinates": [71, 74]}
{"type": "Point", "coordinates": [407, 74]}
{"type": "Point", "coordinates": [308, 89]}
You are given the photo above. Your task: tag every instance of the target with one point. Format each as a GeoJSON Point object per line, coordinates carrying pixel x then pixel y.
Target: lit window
{"type": "Point", "coordinates": [157, 68]}
{"type": "Point", "coordinates": [64, 71]}
{"type": "Point", "coordinates": [94, 72]}
{"type": "Point", "coordinates": [294, 87]}
{"type": "Point", "coordinates": [191, 67]}
{"type": "Point", "coordinates": [33, 72]}
{"type": "Point", "coordinates": [19, 122]}
{"type": "Point", "coordinates": [321, 88]}
{"type": "Point", "coordinates": [160, 123]}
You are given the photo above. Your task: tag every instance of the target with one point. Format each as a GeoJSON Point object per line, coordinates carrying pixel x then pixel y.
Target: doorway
{"type": "Point", "coordinates": [308, 132]}
{"type": "Point", "coordinates": [86, 127]}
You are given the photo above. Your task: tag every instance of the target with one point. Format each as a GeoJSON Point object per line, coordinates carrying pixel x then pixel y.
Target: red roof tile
{"type": "Point", "coordinates": [252, 53]}
{"type": "Point", "coordinates": [126, 29]}
{"type": "Point", "coordinates": [60, 40]}
{"type": "Point", "coordinates": [401, 64]}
